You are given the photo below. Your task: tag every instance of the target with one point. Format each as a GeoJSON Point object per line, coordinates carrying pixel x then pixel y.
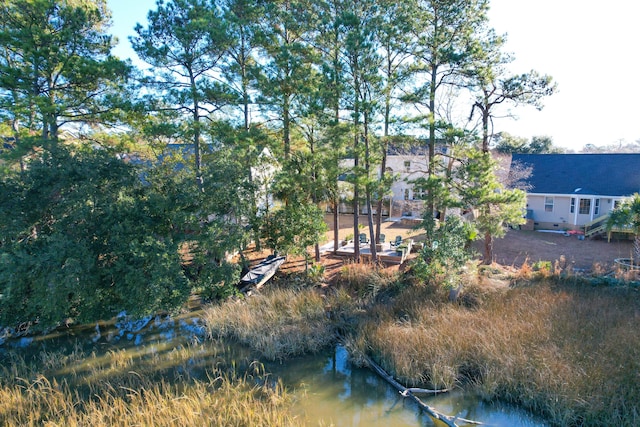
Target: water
{"type": "Point", "coordinates": [331, 391]}
{"type": "Point", "coordinates": [327, 389]}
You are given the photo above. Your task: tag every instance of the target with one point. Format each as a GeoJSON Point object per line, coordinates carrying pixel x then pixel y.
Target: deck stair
{"type": "Point", "coordinates": [598, 227]}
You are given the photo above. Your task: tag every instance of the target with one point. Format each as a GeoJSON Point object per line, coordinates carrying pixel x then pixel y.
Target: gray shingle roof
{"type": "Point", "coordinates": [592, 174]}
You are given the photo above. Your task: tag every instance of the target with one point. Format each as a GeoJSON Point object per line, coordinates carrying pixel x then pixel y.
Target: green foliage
{"type": "Point", "coordinates": [294, 227]}
{"type": "Point", "coordinates": [628, 215]}
{"type": "Point", "coordinates": [507, 143]}
{"type": "Point", "coordinates": [218, 283]}
{"type": "Point", "coordinates": [486, 71]}
{"type": "Point", "coordinates": [497, 206]}
{"type": "Point", "coordinates": [316, 272]}
{"type": "Point", "coordinates": [211, 222]}
{"type": "Point", "coordinates": [56, 66]}
{"type": "Point", "coordinates": [482, 191]}
{"type": "Point", "coordinates": [448, 252]}
{"type": "Point", "coordinates": [439, 188]}
{"type": "Point", "coordinates": [184, 43]}
{"type": "Point", "coordinates": [83, 237]}
{"type": "Point", "coordinates": [543, 266]}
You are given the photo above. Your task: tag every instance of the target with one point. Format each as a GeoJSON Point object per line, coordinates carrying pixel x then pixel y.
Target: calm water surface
{"type": "Point", "coordinates": [330, 391]}
{"type": "Point", "coordinates": [327, 389]}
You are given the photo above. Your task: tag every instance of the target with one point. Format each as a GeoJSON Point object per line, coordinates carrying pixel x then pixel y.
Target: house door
{"type": "Point", "coordinates": [584, 211]}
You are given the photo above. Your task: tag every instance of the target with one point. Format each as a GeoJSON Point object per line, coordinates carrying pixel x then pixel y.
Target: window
{"type": "Point", "coordinates": [548, 204]}
{"type": "Point", "coordinates": [596, 207]}
{"type": "Point", "coordinates": [585, 207]}
{"type": "Point", "coordinates": [572, 208]}
{"type": "Point", "coordinates": [419, 194]}
{"type": "Point", "coordinates": [406, 194]}
{"type": "Point", "coordinates": [407, 166]}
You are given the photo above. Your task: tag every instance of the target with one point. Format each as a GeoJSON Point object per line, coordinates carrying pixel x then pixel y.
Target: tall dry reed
{"type": "Point", "coordinates": [568, 352]}
{"type": "Point", "coordinates": [278, 323]}
{"type": "Point", "coordinates": [130, 398]}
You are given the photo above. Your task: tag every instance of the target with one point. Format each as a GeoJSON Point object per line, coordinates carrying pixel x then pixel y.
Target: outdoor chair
{"type": "Point", "coordinates": [382, 238]}
{"type": "Point", "coordinates": [397, 242]}
{"type": "Point", "coordinates": [363, 239]}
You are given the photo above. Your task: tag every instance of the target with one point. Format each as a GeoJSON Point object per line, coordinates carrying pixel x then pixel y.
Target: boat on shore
{"type": "Point", "coordinates": [260, 274]}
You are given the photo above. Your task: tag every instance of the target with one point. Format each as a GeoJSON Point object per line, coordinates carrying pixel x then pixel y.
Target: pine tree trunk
{"type": "Point", "coordinates": [488, 248]}
{"type": "Point", "coordinates": [336, 225]}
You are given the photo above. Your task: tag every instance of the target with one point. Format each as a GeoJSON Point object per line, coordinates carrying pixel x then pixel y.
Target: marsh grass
{"type": "Point", "coordinates": [99, 393]}
{"type": "Point", "coordinates": [278, 323]}
{"type": "Point", "coordinates": [570, 352]}
{"type": "Point", "coordinates": [366, 280]}
{"type": "Point", "coordinates": [290, 320]}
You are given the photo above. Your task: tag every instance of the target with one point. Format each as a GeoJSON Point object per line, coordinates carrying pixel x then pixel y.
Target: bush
{"type": "Point", "coordinates": [85, 238]}
{"type": "Point", "coordinates": [442, 260]}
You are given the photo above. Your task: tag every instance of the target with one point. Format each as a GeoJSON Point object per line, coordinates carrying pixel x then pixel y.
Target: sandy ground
{"type": "Point", "coordinates": [519, 246]}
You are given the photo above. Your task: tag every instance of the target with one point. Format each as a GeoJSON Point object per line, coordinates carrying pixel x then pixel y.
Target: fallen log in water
{"type": "Point", "coordinates": [438, 418]}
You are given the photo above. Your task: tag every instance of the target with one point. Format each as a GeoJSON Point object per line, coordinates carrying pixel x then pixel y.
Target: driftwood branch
{"type": "Point", "coordinates": [439, 419]}
{"type": "Point", "coordinates": [423, 391]}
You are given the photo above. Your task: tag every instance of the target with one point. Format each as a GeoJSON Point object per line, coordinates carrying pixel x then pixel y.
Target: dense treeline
{"type": "Point", "coordinates": [85, 235]}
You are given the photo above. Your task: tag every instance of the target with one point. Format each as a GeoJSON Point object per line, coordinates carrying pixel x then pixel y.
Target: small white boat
{"type": "Point", "coordinates": [261, 273]}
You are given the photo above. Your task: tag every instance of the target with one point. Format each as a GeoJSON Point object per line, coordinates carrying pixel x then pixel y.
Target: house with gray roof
{"type": "Point", "coordinates": [568, 191]}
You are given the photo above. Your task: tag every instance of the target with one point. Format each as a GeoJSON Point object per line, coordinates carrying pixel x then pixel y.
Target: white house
{"type": "Point", "coordinates": [569, 191]}
{"type": "Point", "coordinates": [263, 174]}
{"type": "Point", "coordinates": [407, 165]}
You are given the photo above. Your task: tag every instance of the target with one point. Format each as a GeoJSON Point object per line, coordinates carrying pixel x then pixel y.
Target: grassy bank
{"type": "Point", "coordinates": [120, 389]}
{"type": "Point", "coordinates": [566, 351]}
{"type": "Point", "coordinates": [281, 323]}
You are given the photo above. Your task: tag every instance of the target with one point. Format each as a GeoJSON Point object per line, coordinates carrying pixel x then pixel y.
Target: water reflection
{"type": "Point", "coordinates": [328, 390]}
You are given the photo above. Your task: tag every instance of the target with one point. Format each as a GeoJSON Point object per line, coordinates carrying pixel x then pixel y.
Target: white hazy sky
{"type": "Point", "coordinates": [589, 47]}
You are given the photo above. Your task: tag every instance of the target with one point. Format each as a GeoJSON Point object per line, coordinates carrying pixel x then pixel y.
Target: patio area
{"type": "Point", "coordinates": [385, 252]}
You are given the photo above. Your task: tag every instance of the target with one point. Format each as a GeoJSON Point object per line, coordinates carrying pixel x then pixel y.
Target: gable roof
{"type": "Point", "coordinates": [589, 174]}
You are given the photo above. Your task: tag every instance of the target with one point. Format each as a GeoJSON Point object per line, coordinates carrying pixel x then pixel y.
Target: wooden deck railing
{"type": "Point", "coordinates": [599, 226]}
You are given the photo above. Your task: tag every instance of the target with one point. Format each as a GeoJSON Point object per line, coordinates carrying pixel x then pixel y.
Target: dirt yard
{"type": "Point", "coordinates": [517, 246]}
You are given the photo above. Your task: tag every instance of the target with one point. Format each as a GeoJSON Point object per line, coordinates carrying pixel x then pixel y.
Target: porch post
{"type": "Point", "coordinates": [593, 208]}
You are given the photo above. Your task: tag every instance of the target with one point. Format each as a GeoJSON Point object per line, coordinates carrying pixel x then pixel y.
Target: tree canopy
{"type": "Point", "coordinates": [315, 83]}
{"type": "Point", "coordinates": [504, 142]}
{"type": "Point", "coordinates": [56, 66]}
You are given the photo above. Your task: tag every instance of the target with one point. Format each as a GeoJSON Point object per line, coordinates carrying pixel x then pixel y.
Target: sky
{"type": "Point", "coordinates": [589, 47]}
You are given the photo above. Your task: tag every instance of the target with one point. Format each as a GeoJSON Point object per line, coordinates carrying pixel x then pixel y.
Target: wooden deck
{"type": "Point", "coordinates": [386, 254]}
{"type": "Point", "coordinates": [598, 227]}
